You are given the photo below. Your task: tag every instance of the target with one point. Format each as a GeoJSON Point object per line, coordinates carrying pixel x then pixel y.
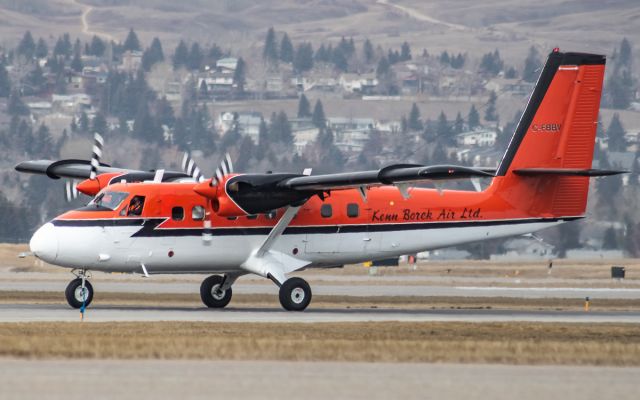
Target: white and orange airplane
{"type": "Point", "coordinates": [274, 224]}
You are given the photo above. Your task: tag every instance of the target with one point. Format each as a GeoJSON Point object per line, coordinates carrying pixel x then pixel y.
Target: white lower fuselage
{"type": "Point", "coordinates": [118, 248]}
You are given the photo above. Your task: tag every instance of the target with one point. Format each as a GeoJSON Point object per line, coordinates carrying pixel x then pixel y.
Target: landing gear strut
{"type": "Point", "coordinates": [79, 291]}
{"type": "Point", "coordinates": [295, 294]}
{"type": "Point", "coordinates": [215, 291]}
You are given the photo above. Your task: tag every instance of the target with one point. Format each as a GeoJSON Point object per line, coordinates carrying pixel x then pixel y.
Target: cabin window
{"type": "Point", "coordinates": [135, 206]}
{"type": "Point", "coordinates": [232, 218]}
{"type": "Point", "coordinates": [177, 213]}
{"type": "Point", "coordinates": [326, 211]}
{"type": "Point", "coordinates": [252, 216]}
{"type": "Point", "coordinates": [197, 213]}
{"type": "Point", "coordinates": [353, 210]}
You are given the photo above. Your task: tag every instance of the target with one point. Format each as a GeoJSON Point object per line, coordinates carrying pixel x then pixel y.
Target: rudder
{"type": "Point", "coordinates": [546, 165]}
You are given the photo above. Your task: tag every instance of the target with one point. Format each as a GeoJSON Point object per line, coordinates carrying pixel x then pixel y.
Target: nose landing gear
{"type": "Point", "coordinates": [79, 291]}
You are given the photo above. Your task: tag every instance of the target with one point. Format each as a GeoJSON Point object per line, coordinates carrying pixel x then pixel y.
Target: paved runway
{"type": "Point", "coordinates": [151, 286]}
{"type": "Point", "coordinates": [98, 313]}
{"type": "Point", "coordinates": [159, 379]}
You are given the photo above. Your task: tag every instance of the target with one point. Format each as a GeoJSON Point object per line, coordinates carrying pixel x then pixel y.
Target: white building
{"type": "Point", "coordinates": [480, 137]}
{"type": "Point", "coordinates": [248, 123]}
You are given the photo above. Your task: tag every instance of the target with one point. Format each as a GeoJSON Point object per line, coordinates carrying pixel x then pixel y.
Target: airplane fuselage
{"type": "Point", "coordinates": [344, 228]}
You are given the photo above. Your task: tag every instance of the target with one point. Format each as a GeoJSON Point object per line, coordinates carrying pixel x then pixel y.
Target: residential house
{"type": "Point", "coordinates": [478, 137]}
{"type": "Point", "coordinates": [248, 123]}
{"type": "Point", "coordinates": [359, 83]}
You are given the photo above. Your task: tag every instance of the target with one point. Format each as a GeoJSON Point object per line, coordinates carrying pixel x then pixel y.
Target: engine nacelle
{"type": "Point", "coordinates": [250, 194]}
{"type": "Point", "coordinates": [225, 207]}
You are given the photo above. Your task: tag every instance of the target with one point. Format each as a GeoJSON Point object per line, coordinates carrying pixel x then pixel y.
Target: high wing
{"type": "Point", "coordinates": [81, 169]}
{"type": "Point", "coordinates": [390, 175]}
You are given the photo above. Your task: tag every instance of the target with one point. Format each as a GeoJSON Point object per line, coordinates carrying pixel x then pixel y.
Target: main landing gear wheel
{"type": "Point", "coordinates": [211, 294]}
{"type": "Point", "coordinates": [77, 295]}
{"type": "Point", "coordinates": [295, 294]}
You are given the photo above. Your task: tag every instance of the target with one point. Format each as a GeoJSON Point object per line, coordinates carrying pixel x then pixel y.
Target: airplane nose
{"type": "Point", "coordinates": [44, 243]}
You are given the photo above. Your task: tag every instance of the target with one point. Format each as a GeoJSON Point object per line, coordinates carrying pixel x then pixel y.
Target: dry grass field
{"type": "Point", "coordinates": [517, 343]}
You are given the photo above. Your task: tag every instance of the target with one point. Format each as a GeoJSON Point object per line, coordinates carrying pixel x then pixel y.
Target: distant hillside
{"type": "Point", "coordinates": [463, 25]}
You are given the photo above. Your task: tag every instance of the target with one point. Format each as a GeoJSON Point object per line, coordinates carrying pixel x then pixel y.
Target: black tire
{"type": "Point", "coordinates": [295, 294]}
{"type": "Point", "coordinates": [211, 299]}
{"type": "Point", "coordinates": [73, 293]}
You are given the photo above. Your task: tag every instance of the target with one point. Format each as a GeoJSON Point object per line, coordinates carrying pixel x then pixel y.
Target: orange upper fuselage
{"type": "Point", "coordinates": [384, 205]}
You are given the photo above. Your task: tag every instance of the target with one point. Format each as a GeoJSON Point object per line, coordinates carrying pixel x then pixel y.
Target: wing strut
{"type": "Point", "coordinates": [270, 263]}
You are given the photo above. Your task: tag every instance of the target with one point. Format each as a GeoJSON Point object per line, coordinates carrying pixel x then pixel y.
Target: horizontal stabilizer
{"type": "Point", "coordinates": [567, 172]}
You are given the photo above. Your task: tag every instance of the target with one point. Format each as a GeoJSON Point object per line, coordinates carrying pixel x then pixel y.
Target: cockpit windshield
{"type": "Point", "coordinates": [108, 200]}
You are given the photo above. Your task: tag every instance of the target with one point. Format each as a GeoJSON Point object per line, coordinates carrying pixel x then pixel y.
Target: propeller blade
{"type": "Point", "coordinates": [225, 168]}
{"type": "Point", "coordinates": [70, 190]}
{"type": "Point", "coordinates": [98, 142]}
{"type": "Point", "coordinates": [189, 167]}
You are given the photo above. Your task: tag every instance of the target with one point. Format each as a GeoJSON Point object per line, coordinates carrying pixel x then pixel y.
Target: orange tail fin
{"type": "Point", "coordinates": [547, 165]}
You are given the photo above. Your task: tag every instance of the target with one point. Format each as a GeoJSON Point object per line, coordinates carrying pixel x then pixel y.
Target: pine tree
{"type": "Point", "coordinates": [281, 129]}
{"type": "Point", "coordinates": [442, 128]}
{"type": "Point", "coordinates": [195, 56]}
{"type": "Point", "coordinates": [490, 112]}
{"type": "Point", "coordinates": [625, 56]}
{"type": "Point", "coordinates": [368, 52]}
{"type": "Point", "coordinates": [414, 123]}
{"type": "Point", "coordinates": [303, 60]}
{"type": "Point", "coordinates": [458, 125]}
{"type": "Point", "coordinates": [131, 43]}
{"type": "Point", "coordinates": [531, 65]}
{"type": "Point", "coordinates": [270, 51]}
{"type": "Point", "coordinates": [152, 55]}
{"type": "Point", "coordinates": [304, 108]}
{"type": "Point", "coordinates": [99, 124]}
{"type": "Point", "coordinates": [405, 52]}
{"type": "Point", "coordinates": [473, 118]}
{"type": "Point", "coordinates": [511, 73]}
{"type": "Point", "coordinates": [318, 118]}
{"type": "Point", "coordinates": [97, 47]}
{"type": "Point", "coordinates": [239, 75]}
{"type": "Point", "coordinates": [16, 106]}
{"type": "Point", "coordinates": [444, 58]}
{"type": "Point", "coordinates": [181, 55]}
{"type": "Point", "coordinates": [42, 50]}
{"type": "Point", "coordinates": [76, 63]}
{"type": "Point", "coordinates": [27, 46]}
{"type": "Point", "coordinates": [491, 63]}
{"type": "Point", "coordinates": [164, 112]}
{"type": "Point", "coordinates": [286, 49]}
{"type": "Point", "coordinates": [5, 82]}
{"type": "Point", "coordinates": [383, 68]}
{"type": "Point", "coordinates": [36, 81]}
{"type": "Point", "coordinates": [339, 59]}
{"type": "Point", "coordinates": [263, 135]}
{"type": "Point", "coordinates": [616, 134]}
{"type": "Point", "coordinates": [215, 53]}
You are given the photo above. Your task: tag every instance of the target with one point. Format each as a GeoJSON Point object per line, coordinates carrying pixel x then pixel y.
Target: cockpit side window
{"type": "Point", "coordinates": [135, 206]}
{"type": "Point", "coordinates": [108, 200]}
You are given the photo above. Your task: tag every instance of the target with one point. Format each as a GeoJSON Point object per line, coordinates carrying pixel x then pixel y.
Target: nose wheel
{"type": "Point", "coordinates": [295, 294]}
{"type": "Point", "coordinates": [79, 292]}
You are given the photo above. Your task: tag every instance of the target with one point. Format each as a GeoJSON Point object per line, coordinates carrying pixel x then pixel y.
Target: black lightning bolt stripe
{"type": "Point", "coordinates": [149, 227]}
